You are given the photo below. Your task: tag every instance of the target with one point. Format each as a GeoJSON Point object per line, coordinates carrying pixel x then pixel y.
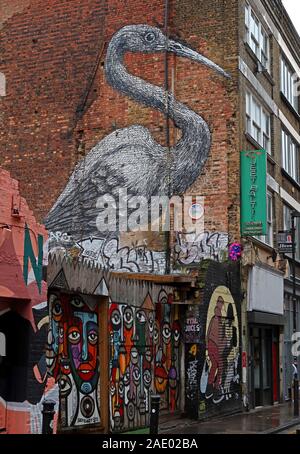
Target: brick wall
{"type": "Point", "coordinates": [59, 105]}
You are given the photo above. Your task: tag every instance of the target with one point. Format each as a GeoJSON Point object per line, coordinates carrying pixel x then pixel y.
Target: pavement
{"type": "Point", "coordinates": [267, 420]}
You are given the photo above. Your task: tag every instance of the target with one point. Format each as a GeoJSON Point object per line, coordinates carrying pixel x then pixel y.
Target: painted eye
{"type": "Point", "coordinates": [136, 374]}
{"type": "Point", "coordinates": [93, 337]}
{"type": "Point", "coordinates": [74, 336]}
{"type": "Point", "coordinates": [57, 309]}
{"type": "Point", "coordinates": [151, 323]}
{"type": "Point", "coordinates": [65, 385]}
{"type": "Point", "coordinates": [147, 378]}
{"type": "Point", "coordinates": [128, 317]}
{"type": "Point", "coordinates": [166, 332]}
{"type": "Point", "coordinates": [115, 318]}
{"type": "Point", "coordinates": [78, 303]}
{"type": "Point", "coordinates": [176, 335]}
{"type": "Point", "coordinates": [141, 317]}
{"type": "Point", "coordinates": [112, 389]}
{"type": "Point", "coordinates": [150, 37]}
{"type": "Point", "coordinates": [121, 389]}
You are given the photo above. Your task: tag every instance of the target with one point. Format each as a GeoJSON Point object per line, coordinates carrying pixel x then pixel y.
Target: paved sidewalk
{"type": "Point", "coordinates": [263, 421]}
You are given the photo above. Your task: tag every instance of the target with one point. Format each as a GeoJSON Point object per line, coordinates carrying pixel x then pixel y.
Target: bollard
{"type": "Point", "coordinates": [48, 415]}
{"type": "Point", "coordinates": [296, 397]}
{"type": "Point", "coordinates": [154, 415]}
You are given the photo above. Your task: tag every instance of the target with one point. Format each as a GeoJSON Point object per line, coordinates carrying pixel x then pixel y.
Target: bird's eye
{"type": "Point", "coordinates": [150, 37]}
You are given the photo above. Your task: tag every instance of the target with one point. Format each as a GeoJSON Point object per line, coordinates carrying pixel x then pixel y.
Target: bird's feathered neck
{"type": "Point", "coordinates": [190, 152]}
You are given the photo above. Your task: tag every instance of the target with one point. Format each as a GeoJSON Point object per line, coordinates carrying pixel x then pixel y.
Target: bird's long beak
{"type": "Point", "coordinates": [184, 51]}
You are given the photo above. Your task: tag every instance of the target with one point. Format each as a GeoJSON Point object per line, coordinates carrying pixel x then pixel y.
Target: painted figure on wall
{"type": "Point", "coordinates": [72, 358]}
{"type": "Point", "coordinates": [220, 370]}
{"type": "Point", "coordinates": [144, 359]}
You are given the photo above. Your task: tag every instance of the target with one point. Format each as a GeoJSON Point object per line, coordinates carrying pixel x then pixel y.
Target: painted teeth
{"type": "Point", "coordinates": [85, 371]}
{"type": "Point", "coordinates": [49, 361]}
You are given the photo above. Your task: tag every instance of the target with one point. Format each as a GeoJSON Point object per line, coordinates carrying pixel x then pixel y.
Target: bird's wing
{"type": "Point", "coordinates": [128, 158]}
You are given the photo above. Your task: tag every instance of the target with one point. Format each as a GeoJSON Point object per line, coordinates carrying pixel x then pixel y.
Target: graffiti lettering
{"type": "Point", "coordinates": [191, 248]}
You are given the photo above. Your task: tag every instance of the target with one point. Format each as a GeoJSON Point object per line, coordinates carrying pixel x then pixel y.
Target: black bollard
{"type": "Point", "coordinates": [154, 415]}
{"type": "Point", "coordinates": [296, 397]}
{"type": "Point", "coordinates": [48, 415]}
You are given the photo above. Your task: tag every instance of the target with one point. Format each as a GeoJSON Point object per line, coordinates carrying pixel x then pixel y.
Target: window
{"type": "Point", "coordinates": [287, 225]}
{"type": "Point", "coordinates": [256, 37]}
{"type": "Point", "coordinates": [289, 83]}
{"type": "Point", "coordinates": [258, 122]}
{"type": "Point", "coordinates": [290, 155]}
{"type": "Point", "coordinates": [268, 238]}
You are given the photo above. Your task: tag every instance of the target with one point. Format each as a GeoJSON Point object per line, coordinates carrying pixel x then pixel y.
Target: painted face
{"type": "Point", "coordinates": [161, 379]}
{"type": "Point", "coordinates": [83, 347]}
{"type": "Point", "coordinates": [128, 317]}
{"type": "Point", "coordinates": [175, 333]}
{"type": "Point", "coordinates": [140, 333]}
{"type": "Point", "coordinates": [56, 315]}
{"type": "Point", "coordinates": [166, 333]}
{"type": "Point", "coordinates": [147, 376]}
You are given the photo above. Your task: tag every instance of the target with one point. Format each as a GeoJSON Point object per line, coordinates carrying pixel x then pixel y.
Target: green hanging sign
{"type": "Point", "coordinates": [253, 193]}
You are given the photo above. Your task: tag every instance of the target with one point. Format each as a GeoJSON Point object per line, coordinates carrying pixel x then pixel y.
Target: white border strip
{"type": "Point", "coordinates": [290, 200]}
{"type": "Point", "coordinates": [288, 125]}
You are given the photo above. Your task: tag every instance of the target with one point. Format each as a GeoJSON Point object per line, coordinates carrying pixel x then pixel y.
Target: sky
{"type": "Point", "coordinates": [293, 8]}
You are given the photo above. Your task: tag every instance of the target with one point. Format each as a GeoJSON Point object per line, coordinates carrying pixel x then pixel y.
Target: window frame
{"type": "Point", "coordinates": [288, 82]}
{"type": "Point", "coordinates": [260, 45]}
{"type": "Point", "coordinates": [290, 150]}
{"type": "Point", "coordinates": [268, 239]}
{"type": "Point", "coordinates": [262, 134]}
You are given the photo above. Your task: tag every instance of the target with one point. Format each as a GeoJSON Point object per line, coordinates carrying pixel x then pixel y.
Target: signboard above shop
{"type": "Point", "coordinates": [285, 242]}
{"type": "Point", "coordinates": [253, 193]}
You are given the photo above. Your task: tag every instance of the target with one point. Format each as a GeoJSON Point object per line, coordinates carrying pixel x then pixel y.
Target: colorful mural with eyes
{"type": "Point", "coordinates": [72, 358]}
{"type": "Point", "coordinates": [144, 360]}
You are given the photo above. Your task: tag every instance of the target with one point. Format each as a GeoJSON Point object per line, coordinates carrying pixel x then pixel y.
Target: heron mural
{"type": "Point", "coordinates": [130, 158]}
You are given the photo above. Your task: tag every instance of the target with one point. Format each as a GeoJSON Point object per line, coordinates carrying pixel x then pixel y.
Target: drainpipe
{"type": "Point", "coordinates": [167, 128]}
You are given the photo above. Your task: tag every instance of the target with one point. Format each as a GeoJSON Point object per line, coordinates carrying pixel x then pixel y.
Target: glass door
{"type": "Point", "coordinates": [261, 373]}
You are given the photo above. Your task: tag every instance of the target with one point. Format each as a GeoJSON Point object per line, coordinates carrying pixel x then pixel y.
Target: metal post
{"type": "Point", "coordinates": [167, 117]}
{"type": "Point", "coordinates": [48, 415]}
{"type": "Point", "coordinates": [154, 415]}
{"type": "Point", "coordinates": [296, 381]}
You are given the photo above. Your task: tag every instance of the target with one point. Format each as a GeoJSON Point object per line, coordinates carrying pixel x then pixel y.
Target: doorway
{"type": "Point", "coordinates": [264, 365]}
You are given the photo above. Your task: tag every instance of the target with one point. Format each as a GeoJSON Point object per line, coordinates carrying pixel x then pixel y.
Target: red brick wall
{"type": "Point", "coordinates": [59, 105]}
{"type": "Point", "coordinates": [48, 54]}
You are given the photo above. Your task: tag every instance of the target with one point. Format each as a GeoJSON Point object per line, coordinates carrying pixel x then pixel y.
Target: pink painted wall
{"type": "Point", "coordinates": [23, 297]}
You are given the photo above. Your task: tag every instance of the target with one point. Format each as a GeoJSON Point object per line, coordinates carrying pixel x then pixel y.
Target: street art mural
{"type": "Point", "coordinates": [72, 358]}
{"type": "Point", "coordinates": [189, 249]}
{"type": "Point", "coordinates": [24, 383]}
{"type": "Point", "coordinates": [130, 158]}
{"type": "Point", "coordinates": [144, 360]}
{"type": "Point", "coordinates": [220, 371]}
{"type": "Point", "coordinates": [109, 254]}
{"type": "Point", "coordinates": [213, 343]}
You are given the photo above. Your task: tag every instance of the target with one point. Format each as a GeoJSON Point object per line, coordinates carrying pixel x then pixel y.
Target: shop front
{"type": "Point", "coordinates": [265, 328]}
